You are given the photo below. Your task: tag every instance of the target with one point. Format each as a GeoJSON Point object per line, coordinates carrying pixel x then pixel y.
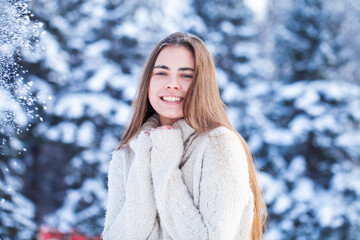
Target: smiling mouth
{"type": "Point", "coordinates": [171, 99]}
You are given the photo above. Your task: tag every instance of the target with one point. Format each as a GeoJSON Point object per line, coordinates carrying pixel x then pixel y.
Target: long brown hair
{"type": "Point", "coordinates": [203, 109]}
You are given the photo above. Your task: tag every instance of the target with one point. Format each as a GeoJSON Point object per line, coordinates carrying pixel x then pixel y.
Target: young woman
{"type": "Point", "coordinates": [181, 171]}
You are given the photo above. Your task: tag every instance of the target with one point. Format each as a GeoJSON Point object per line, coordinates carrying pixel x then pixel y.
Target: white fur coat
{"type": "Point", "coordinates": [178, 184]}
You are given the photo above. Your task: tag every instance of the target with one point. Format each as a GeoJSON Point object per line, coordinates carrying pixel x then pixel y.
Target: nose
{"type": "Point", "coordinates": [173, 84]}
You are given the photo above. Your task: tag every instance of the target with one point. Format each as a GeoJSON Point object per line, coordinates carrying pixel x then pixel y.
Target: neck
{"type": "Point", "coordinates": [167, 121]}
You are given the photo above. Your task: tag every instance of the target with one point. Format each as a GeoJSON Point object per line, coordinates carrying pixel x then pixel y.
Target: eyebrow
{"type": "Point", "coordinates": [180, 69]}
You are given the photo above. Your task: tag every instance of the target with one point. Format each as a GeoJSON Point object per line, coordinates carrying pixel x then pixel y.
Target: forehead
{"type": "Point", "coordinates": [175, 56]}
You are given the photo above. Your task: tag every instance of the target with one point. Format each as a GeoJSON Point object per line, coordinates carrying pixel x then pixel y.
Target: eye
{"type": "Point", "coordinates": [160, 73]}
{"type": "Point", "coordinates": [187, 76]}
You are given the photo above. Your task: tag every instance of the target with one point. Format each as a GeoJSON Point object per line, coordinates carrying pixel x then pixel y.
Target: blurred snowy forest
{"type": "Point", "coordinates": [290, 79]}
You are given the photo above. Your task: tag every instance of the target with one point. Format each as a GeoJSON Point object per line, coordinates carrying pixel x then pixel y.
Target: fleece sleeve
{"type": "Point", "coordinates": [131, 209]}
{"type": "Point", "coordinates": [224, 187]}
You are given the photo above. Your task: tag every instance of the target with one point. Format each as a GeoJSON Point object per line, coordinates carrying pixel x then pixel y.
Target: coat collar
{"type": "Point", "coordinates": [154, 122]}
{"type": "Point", "coordinates": [151, 122]}
{"type": "Point", "coordinates": [184, 127]}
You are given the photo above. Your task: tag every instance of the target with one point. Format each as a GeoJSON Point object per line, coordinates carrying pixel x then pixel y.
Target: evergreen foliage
{"type": "Point", "coordinates": [308, 139]}
{"type": "Point", "coordinates": [296, 103]}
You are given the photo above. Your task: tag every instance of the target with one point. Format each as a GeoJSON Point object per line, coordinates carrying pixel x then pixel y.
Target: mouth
{"type": "Point", "coordinates": [172, 99]}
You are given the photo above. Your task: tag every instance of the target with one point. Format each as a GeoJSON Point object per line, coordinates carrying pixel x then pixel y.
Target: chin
{"type": "Point", "coordinates": [171, 117]}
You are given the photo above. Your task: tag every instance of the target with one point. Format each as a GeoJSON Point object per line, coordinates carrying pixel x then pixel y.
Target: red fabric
{"type": "Point", "coordinates": [48, 233]}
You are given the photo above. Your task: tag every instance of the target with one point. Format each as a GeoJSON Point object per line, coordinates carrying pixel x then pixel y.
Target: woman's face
{"type": "Point", "coordinates": [172, 75]}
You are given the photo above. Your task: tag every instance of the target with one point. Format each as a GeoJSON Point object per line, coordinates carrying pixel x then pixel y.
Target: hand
{"type": "Point", "coordinates": [169, 127]}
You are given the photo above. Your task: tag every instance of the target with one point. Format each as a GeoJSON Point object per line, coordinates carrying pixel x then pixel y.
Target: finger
{"type": "Point", "coordinates": [165, 127]}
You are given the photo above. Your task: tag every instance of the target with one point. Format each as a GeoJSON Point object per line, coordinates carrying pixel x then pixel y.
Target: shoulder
{"type": "Point", "coordinates": [221, 132]}
{"type": "Point", "coordinates": [118, 157]}
{"type": "Point", "coordinates": [226, 143]}
{"type": "Point", "coordinates": [223, 136]}
{"type": "Point", "coordinates": [225, 156]}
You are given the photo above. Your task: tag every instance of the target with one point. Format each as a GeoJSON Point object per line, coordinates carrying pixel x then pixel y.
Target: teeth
{"type": "Point", "coordinates": [172, 99]}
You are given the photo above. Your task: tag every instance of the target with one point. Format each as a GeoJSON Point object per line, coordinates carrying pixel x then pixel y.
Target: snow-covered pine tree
{"type": "Point", "coordinates": [90, 65]}
{"type": "Point", "coordinates": [231, 35]}
{"type": "Point", "coordinates": [86, 66]}
{"type": "Point", "coordinates": [17, 218]}
{"type": "Point", "coordinates": [310, 136]}
{"type": "Point", "coordinates": [350, 29]}
{"type": "Point", "coordinates": [309, 44]}
{"type": "Point", "coordinates": [17, 107]}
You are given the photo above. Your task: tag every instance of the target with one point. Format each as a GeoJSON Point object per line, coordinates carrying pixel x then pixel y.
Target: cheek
{"type": "Point", "coordinates": [186, 86]}
{"type": "Point", "coordinates": [151, 88]}
{"type": "Point", "coordinates": [152, 91]}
